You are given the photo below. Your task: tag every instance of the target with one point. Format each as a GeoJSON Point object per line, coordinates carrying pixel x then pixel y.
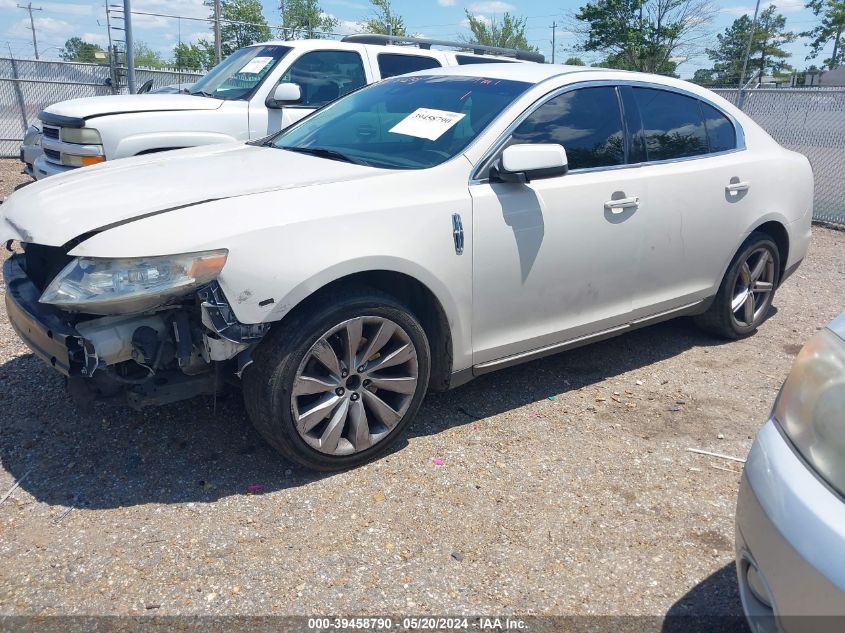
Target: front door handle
{"type": "Point", "coordinates": [737, 186]}
{"type": "Point", "coordinates": [618, 206]}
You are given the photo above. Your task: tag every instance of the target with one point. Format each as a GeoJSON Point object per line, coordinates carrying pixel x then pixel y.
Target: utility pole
{"type": "Point", "coordinates": [30, 8]}
{"type": "Point", "coordinates": [130, 49]}
{"type": "Point", "coordinates": [112, 60]}
{"type": "Point", "coordinates": [282, 15]}
{"type": "Point", "coordinates": [741, 97]}
{"type": "Point", "coordinates": [218, 49]}
{"type": "Point", "coordinates": [554, 40]}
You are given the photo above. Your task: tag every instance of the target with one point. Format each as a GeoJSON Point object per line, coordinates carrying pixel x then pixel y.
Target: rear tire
{"type": "Point", "coordinates": [746, 293]}
{"type": "Point", "coordinates": [337, 384]}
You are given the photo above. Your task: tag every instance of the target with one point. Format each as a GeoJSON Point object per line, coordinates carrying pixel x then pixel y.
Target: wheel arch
{"type": "Point", "coordinates": [409, 291]}
{"type": "Point", "coordinates": [780, 236]}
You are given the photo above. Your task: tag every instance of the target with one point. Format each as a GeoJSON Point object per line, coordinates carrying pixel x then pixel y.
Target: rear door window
{"type": "Point", "coordinates": [672, 124]}
{"type": "Point", "coordinates": [721, 135]}
{"type": "Point", "coordinates": [587, 122]}
{"type": "Point", "coordinates": [392, 64]}
{"type": "Point", "coordinates": [324, 76]}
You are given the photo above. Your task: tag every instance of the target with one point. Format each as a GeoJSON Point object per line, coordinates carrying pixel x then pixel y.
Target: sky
{"type": "Point", "coordinates": [442, 19]}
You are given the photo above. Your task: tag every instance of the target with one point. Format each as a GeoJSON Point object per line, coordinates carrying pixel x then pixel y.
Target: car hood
{"type": "Point", "coordinates": [55, 210]}
{"type": "Point", "coordinates": [112, 104]}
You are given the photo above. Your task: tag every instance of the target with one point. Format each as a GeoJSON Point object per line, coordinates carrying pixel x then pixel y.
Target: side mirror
{"type": "Point", "coordinates": [524, 163]}
{"type": "Point", "coordinates": [283, 94]}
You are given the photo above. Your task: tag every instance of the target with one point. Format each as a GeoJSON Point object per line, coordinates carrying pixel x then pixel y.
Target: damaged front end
{"type": "Point", "coordinates": [138, 332]}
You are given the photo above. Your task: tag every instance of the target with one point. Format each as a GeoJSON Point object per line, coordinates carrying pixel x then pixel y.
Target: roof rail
{"type": "Point", "coordinates": [425, 43]}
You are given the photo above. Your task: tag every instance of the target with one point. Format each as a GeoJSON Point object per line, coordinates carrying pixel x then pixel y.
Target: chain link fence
{"type": "Point", "coordinates": [29, 86]}
{"type": "Point", "coordinates": [810, 121]}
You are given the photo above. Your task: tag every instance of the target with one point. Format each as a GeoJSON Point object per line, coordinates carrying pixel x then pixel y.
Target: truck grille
{"type": "Point", "coordinates": [43, 263]}
{"type": "Point", "coordinates": [53, 156]}
{"type": "Point", "coordinates": [51, 132]}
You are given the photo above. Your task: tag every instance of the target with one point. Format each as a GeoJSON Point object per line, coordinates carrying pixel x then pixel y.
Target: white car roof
{"type": "Point", "coordinates": [529, 72]}
{"type": "Point", "coordinates": [534, 73]}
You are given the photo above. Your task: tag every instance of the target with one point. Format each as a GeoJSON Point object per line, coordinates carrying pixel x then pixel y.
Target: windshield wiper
{"type": "Point", "coordinates": [324, 152]}
{"type": "Point", "coordinates": [202, 93]}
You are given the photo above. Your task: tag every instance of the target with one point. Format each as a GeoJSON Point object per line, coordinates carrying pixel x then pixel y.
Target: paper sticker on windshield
{"type": "Point", "coordinates": [427, 123]}
{"type": "Point", "coordinates": [256, 65]}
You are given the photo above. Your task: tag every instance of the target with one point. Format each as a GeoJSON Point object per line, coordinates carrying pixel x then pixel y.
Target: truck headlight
{"type": "Point", "coordinates": [811, 406]}
{"type": "Point", "coordinates": [125, 286]}
{"type": "Point", "coordinates": [81, 135]}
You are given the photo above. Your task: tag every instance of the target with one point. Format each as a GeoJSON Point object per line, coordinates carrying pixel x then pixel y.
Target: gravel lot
{"type": "Point", "coordinates": [566, 487]}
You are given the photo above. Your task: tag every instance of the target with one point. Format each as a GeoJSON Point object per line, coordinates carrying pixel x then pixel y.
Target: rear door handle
{"type": "Point", "coordinates": [618, 206]}
{"type": "Point", "coordinates": [737, 186]}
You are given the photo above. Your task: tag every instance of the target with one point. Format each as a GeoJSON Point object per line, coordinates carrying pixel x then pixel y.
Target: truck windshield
{"type": "Point", "coordinates": [240, 73]}
{"type": "Point", "coordinates": [411, 122]}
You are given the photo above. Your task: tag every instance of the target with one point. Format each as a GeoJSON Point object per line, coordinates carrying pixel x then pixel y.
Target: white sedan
{"type": "Point", "coordinates": [410, 236]}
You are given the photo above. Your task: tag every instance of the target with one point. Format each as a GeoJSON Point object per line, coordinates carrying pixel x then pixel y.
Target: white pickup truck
{"type": "Point", "coordinates": [255, 92]}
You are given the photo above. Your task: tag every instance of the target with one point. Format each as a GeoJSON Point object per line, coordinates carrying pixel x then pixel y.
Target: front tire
{"type": "Point", "coordinates": [337, 384]}
{"type": "Point", "coordinates": [747, 290]}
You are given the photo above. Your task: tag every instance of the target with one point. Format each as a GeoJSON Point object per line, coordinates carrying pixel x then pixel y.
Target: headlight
{"type": "Point", "coordinates": [81, 135]}
{"type": "Point", "coordinates": [124, 286]}
{"type": "Point", "coordinates": [811, 406]}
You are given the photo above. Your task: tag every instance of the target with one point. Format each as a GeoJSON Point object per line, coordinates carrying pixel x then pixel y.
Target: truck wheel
{"type": "Point", "coordinates": [336, 385]}
{"type": "Point", "coordinates": [747, 290]}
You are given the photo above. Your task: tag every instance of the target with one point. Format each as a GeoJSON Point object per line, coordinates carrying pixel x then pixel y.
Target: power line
{"type": "Point", "coordinates": [30, 8]}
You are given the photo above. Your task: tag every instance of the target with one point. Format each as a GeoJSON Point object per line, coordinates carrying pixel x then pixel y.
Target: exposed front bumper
{"type": "Point", "coordinates": [41, 168]}
{"type": "Point", "coordinates": [39, 326]}
{"type": "Point", "coordinates": [790, 528]}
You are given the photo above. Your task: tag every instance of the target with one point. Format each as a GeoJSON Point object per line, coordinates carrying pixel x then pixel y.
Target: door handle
{"type": "Point", "coordinates": [737, 186]}
{"type": "Point", "coordinates": [618, 206]}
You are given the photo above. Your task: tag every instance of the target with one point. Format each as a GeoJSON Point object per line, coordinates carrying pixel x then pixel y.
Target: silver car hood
{"type": "Point", "coordinates": [55, 210]}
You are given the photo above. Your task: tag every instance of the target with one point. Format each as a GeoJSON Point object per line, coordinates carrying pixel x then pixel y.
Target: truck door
{"type": "Point", "coordinates": [322, 76]}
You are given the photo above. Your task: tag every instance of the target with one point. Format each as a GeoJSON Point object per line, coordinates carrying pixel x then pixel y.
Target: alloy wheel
{"type": "Point", "coordinates": [753, 288]}
{"type": "Point", "coordinates": [354, 385]}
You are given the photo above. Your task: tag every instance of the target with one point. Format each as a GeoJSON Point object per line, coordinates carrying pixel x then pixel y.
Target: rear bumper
{"type": "Point", "coordinates": [790, 531]}
{"type": "Point", "coordinates": [39, 326]}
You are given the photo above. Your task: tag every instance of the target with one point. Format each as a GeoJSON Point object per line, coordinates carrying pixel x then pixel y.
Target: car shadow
{"type": "Point", "coordinates": [202, 450]}
{"type": "Point", "coordinates": [712, 605]}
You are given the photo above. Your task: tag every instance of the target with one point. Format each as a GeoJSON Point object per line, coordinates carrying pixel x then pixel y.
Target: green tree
{"type": "Point", "coordinates": [301, 18]}
{"type": "Point", "coordinates": [509, 33]}
{"type": "Point", "coordinates": [199, 56]}
{"type": "Point", "coordinates": [146, 57]}
{"type": "Point", "coordinates": [730, 52]}
{"type": "Point", "coordinates": [384, 21]}
{"type": "Point", "coordinates": [831, 29]}
{"type": "Point", "coordinates": [574, 61]}
{"type": "Point", "coordinates": [643, 35]}
{"type": "Point", "coordinates": [766, 55]}
{"type": "Point", "coordinates": [241, 23]}
{"type": "Point", "coordinates": [704, 77]}
{"type": "Point", "coordinates": [620, 61]}
{"type": "Point", "coordinates": [78, 50]}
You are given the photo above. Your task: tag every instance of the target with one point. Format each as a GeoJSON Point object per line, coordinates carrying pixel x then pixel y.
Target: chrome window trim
{"type": "Point", "coordinates": [597, 83]}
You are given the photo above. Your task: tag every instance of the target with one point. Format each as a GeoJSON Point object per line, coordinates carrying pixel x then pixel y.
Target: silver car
{"type": "Point", "coordinates": [790, 524]}
{"type": "Point", "coordinates": [31, 148]}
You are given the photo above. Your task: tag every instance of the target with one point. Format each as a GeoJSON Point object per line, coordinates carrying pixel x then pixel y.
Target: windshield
{"type": "Point", "coordinates": [404, 122]}
{"type": "Point", "coordinates": [240, 73]}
